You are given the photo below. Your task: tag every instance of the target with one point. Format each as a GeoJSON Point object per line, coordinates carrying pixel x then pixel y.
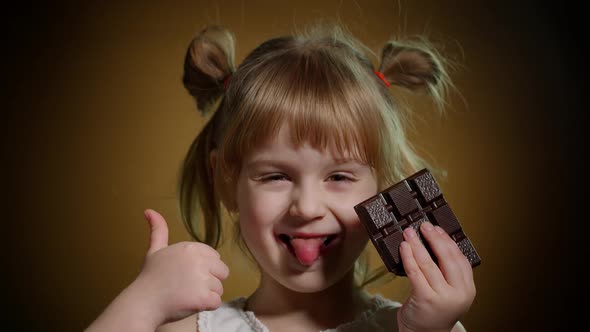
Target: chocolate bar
{"type": "Point", "coordinates": [410, 203]}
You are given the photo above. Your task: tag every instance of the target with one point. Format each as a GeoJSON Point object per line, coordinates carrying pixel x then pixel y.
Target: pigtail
{"type": "Point", "coordinates": [196, 189]}
{"type": "Point", "coordinates": [417, 66]}
{"type": "Point", "coordinates": [209, 61]}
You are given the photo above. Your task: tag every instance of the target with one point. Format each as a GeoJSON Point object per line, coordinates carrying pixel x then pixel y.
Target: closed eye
{"type": "Point", "coordinates": [274, 177]}
{"type": "Point", "coordinates": [340, 177]}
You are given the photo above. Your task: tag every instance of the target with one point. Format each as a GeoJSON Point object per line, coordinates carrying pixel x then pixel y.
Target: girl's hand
{"type": "Point", "coordinates": [180, 279]}
{"type": "Point", "coordinates": [441, 294]}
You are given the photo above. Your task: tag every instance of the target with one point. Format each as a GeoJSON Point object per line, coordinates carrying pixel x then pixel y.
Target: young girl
{"type": "Point", "coordinates": [304, 129]}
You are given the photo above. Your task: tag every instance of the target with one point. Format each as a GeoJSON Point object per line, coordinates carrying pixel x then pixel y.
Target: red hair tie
{"type": "Point", "coordinates": [382, 77]}
{"type": "Point", "coordinates": [226, 81]}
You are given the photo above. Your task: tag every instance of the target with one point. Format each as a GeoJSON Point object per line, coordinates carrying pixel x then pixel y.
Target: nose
{"type": "Point", "coordinates": [307, 203]}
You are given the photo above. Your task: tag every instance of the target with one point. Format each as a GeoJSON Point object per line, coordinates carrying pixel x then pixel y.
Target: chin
{"type": "Point", "coordinates": [307, 283]}
{"type": "Point", "coordinates": [312, 281]}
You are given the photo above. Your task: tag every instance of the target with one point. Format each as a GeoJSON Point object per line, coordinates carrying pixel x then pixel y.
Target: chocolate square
{"type": "Point", "coordinates": [410, 203]}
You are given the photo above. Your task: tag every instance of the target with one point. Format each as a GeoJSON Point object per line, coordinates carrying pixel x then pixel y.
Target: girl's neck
{"type": "Point", "coordinates": [272, 301]}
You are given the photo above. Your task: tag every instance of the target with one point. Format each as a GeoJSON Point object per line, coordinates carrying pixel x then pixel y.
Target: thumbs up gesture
{"type": "Point", "coordinates": [175, 282]}
{"type": "Point", "coordinates": [182, 278]}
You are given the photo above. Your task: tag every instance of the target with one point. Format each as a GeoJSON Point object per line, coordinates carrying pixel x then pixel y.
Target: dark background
{"type": "Point", "coordinates": [97, 122]}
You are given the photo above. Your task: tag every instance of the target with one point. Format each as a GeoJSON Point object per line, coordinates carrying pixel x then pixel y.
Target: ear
{"type": "Point", "coordinates": [410, 67]}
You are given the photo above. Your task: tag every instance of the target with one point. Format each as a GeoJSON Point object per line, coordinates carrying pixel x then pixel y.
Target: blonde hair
{"type": "Point", "coordinates": [321, 84]}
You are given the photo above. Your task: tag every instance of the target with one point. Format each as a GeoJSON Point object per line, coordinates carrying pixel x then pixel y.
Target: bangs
{"type": "Point", "coordinates": [317, 97]}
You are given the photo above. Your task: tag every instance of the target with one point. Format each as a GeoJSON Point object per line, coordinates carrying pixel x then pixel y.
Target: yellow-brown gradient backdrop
{"type": "Point", "coordinates": [100, 122]}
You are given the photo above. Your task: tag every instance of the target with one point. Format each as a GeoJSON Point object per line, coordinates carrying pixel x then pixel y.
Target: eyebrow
{"type": "Point", "coordinates": [261, 162]}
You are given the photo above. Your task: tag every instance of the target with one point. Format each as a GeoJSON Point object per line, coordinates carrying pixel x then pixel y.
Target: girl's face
{"type": "Point", "coordinates": [297, 217]}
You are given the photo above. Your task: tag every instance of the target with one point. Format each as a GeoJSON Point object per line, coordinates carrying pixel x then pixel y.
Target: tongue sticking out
{"type": "Point", "coordinates": [307, 250]}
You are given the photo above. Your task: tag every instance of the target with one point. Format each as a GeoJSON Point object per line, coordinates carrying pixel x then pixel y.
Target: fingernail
{"type": "Point", "coordinates": [146, 215]}
{"type": "Point", "coordinates": [410, 233]}
{"type": "Point", "coordinates": [427, 226]}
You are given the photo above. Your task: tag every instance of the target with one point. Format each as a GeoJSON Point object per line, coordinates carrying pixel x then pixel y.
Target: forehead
{"type": "Point", "coordinates": [283, 145]}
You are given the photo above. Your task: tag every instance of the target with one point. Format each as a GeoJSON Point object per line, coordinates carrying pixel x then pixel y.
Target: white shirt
{"type": "Point", "coordinates": [231, 316]}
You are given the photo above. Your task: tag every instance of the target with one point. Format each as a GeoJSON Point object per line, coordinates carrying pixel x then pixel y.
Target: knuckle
{"type": "Point", "coordinates": [465, 297]}
{"type": "Point", "coordinates": [466, 303]}
{"type": "Point", "coordinates": [206, 249]}
{"type": "Point", "coordinates": [216, 300]}
{"type": "Point", "coordinates": [412, 271]}
{"type": "Point", "coordinates": [430, 300]}
{"type": "Point", "coordinates": [212, 301]}
{"type": "Point", "coordinates": [217, 287]}
{"type": "Point", "coordinates": [187, 247]}
{"type": "Point", "coordinates": [224, 273]}
{"type": "Point", "coordinates": [472, 291]}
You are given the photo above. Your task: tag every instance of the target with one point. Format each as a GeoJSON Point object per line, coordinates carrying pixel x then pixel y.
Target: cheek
{"type": "Point", "coordinates": [345, 205]}
{"type": "Point", "coordinates": [258, 208]}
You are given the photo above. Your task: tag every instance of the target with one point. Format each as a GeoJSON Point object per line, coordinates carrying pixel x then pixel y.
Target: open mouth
{"type": "Point", "coordinates": [325, 240]}
{"type": "Point", "coordinates": [307, 249]}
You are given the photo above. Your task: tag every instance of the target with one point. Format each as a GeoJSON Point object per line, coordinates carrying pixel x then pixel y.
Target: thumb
{"type": "Point", "coordinates": [158, 230]}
